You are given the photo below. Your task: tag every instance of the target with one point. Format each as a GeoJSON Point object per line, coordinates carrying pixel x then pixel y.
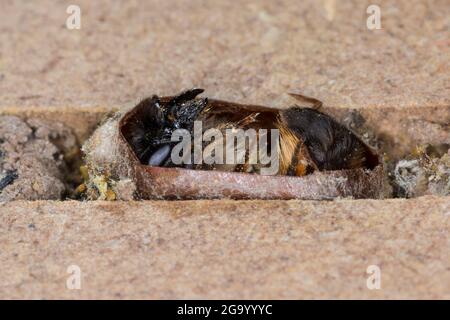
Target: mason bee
{"type": "Point", "coordinates": [308, 140]}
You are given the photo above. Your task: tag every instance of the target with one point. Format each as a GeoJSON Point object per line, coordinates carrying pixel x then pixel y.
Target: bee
{"type": "Point", "coordinates": [309, 140]}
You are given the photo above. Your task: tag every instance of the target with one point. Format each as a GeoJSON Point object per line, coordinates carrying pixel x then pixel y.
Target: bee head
{"type": "Point", "coordinates": [182, 110]}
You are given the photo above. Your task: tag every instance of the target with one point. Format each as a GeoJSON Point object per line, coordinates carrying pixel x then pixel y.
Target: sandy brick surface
{"type": "Point", "coordinates": [247, 51]}
{"type": "Point", "coordinates": [226, 249]}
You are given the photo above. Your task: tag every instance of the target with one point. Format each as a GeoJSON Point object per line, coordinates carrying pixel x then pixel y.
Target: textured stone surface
{"type": "Point", "coordinates": [251, 51]}
{"type": "Point", "coordinates": [226, 249]}
{"type": "Point", "coordinates": [36, 151]}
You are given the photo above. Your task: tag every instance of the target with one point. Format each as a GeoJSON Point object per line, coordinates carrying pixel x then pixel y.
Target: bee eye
{"type": "Point", "coordinates": [159, 156]}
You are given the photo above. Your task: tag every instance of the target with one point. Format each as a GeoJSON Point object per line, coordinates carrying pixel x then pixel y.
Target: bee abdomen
{"type": "Point", "coordinates": [331, 145]}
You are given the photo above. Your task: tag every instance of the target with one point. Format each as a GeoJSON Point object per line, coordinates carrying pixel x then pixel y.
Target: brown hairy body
{"type": "Point", "coordinates": [309, 139]}
{"type": "Point", "coordinates": [293, 154]}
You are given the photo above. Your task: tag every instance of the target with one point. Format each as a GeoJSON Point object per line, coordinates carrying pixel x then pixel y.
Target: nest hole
{"type": "Point", "coordinates": [40, 158]}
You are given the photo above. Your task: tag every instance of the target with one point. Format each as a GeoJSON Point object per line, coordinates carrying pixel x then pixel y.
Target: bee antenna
{"type": "Point", "coordinates": [187, 95]}
{"type": "Point", "coordinates": [156, 101]}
